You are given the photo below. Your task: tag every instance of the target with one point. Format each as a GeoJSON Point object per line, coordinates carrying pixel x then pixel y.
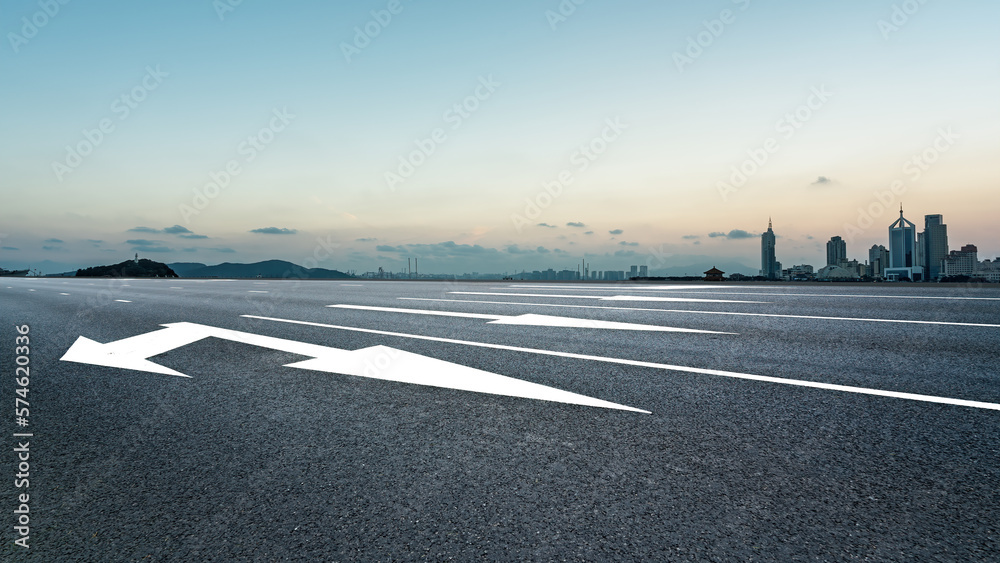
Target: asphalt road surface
{"type": "Point", "coordinates": [802, 427]}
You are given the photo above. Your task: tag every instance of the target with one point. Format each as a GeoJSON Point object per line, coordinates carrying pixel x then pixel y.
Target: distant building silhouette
{"type": "Point", "coordinates": [714, 274]}
{"type": "Point", "coordinates": [836, 251]}
{"type": "Point", "coordinates": [878, 259]}
{"type": "Point", "coordinates": [770, 268]}
{"type": "Point", "coordinates": [964, 262]}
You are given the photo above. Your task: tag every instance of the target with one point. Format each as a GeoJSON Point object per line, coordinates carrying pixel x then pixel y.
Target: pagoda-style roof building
{"type": "Point", "coordinates": [714, 274]}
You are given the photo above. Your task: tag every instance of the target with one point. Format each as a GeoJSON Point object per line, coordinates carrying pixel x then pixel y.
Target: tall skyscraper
{"type": "Point", "coordinates": [902, 251]}
{"type": "Point", "coordinates": [769, 267]}
{"type": "Point", "coordinates": [935, 245]}
{"type": "Point", "coordinates": [836, 250]}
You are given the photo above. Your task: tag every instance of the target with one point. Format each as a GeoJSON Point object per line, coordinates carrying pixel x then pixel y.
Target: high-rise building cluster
{"type": "Point", "coordinates": [911, 255]}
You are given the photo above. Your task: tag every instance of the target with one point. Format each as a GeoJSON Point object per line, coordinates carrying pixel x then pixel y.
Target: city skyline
{"type": "Point", "coordinates": [511, 136]}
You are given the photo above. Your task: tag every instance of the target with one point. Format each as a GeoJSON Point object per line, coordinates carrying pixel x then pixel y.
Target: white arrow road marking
{"type": "Point", "coordinates": [813, 317]}
{"type": "Point", "coordinates": [532, 320]}
{"type": "Point", "coordinates": [607, 298]}
{"type": "Point", "coordinates": [377, 362]}
{"type": "Point", "coordinates": [736, 375]}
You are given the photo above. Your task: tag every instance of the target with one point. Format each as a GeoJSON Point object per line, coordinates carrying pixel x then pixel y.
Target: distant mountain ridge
{"type": "Point", "coordinates": [265, 269]}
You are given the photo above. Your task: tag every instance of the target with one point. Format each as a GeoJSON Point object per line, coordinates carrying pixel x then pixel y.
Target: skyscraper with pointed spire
{"type": "Point", "coordinates": [769, 267]}
{"type": "Point", "coordinates": [903, 256]}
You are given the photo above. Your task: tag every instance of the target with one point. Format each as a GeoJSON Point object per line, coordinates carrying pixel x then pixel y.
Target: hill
{"type": "Point", "coordinates": [266, 269]}
{"type": "Point", "coordinates": [182, 268]}
{"type": "Point", "coordinates": [129, 269]}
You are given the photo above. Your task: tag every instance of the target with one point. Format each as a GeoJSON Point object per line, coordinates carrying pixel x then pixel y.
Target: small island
{"type": "Point", "coordinates": [129, 269]}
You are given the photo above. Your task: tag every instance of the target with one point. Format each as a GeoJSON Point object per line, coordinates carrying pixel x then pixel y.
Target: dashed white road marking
{"type": "Point", "coordinates": [63, 294]}
{"type": "Point", "coordinates": [638, 363]}
{"type": "Point", "coordinates": [255, 291]}
{"type": "Point", "coordinates": [706, 312]}
{"type": "Point", "coordinates": [122, 301]}
{"type": "Point", "coordinates": [534, 320]}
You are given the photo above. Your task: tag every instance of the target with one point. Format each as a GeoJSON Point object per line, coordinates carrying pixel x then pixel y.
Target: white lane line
{"type": "Point", "coordinates": [623, 287]}
{"type": "Point", "coordinates": [735, 375]}
{"type": "Point", "coordinates": [707, 291]}
{"type": "Point", "coordinates": [706, 312]}
{"type": "Point", "coordinates": [255, 291]}
{"type": "Point", "coordinates": [63, 294]}
{"type": "Point", "coordinates": [172, 287]}
{"type": "Point", "coordinates": [122, 301]}
{"type": "Point", "coordinates": [31, 290]}
{"type": "Point", "coordinates": [260, 283]}
{"type": "Point", "coordinates": [535, 320]}
{"type": "Point", "coordinates": [606, 298]}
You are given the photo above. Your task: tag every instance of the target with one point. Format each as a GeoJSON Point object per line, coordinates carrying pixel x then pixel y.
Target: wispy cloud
{"type": "Point", "coordinates": [734, 234]}
{"type": "Point", "coordinates": [366, 239]}
{"type": "Point", "coordinates": [546, 225]}
{"type": "Point", "coordinates": [822, 180]}
{"type": "Point", "coordinates": [274, 231]}
{"type": "Point", "coordinates": [616, 231]}
{"type": "Point", "coordinates": [179, 230]}
{"type": "Point", "coordinates": [575, 224]}
{"type": "Point", "coordinates": [53, 240]}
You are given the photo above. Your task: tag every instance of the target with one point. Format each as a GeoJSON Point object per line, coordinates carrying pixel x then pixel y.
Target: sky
{"type": "Point", "coordinates": [492, 136]}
